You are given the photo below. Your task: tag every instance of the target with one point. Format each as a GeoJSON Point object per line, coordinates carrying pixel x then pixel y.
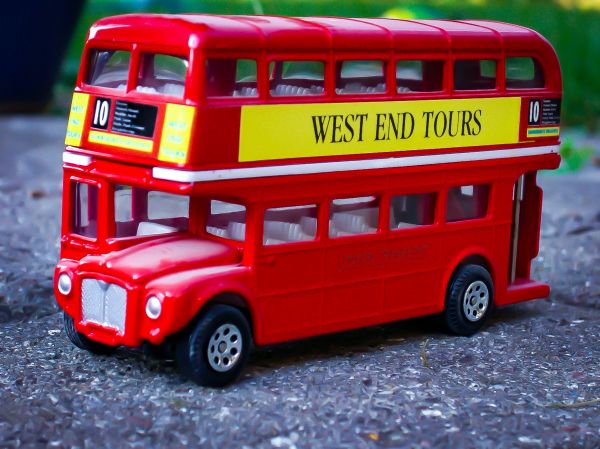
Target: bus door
{"type": "Point", "coordinates": [526, 217]}
{"type": "Point", "coordinates": [289, 272]}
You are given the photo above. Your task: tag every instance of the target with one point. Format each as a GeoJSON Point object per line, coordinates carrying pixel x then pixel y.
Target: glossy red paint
{"type": "Point", "coordinates": [305, 288]}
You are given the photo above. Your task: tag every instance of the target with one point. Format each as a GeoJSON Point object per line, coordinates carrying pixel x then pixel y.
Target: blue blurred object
{"type": "Point", "coordinates": [35, 34]}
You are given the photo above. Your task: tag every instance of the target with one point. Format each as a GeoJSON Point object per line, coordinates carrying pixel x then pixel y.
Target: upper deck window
{"type": "Point", "coordinates": [297, 78]}
{"type": "Point", "coordinates": [162, 74]}
{"type": "Point", "coordinates": [360, 77]}
{"type": "Point", "coordinates": [475, 74]}
{"type": "Point", "coordinates": [231, 78]}
{"type": "Point", "coordinates": [524, 73]}
{"type": "Point", "coordinates": [109, 68]}
{"type": "Point", "coordinates": [419, 76]}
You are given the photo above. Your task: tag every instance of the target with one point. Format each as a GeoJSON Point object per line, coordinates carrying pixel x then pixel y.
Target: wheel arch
{"type": "Point", "coordinates": [474, 256]}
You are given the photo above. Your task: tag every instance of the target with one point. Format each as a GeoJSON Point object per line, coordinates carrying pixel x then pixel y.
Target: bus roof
{"type": "Point", "coordinates": [313, 33]}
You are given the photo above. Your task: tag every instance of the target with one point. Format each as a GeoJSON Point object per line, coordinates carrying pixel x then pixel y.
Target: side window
{"type": "Point", "coordinates": [419, 76]}
{"type": "Point", "coordinates": [139, 212]}
{"type": "Point", "coordinates": [360, 77]}
{"type": "Point", "coordinates": [407, 211]}
{"type": "Point", "coordinates": [467, 202]}
{"type": "Point", "coordinates": [84, 201]}
{"type": "Point", "coordinates": [297, 78]}
{"type": "Point", "coordinates": [162, 74]}
{"type": "Point", "coordinates": [108, 68]}
{"type": "Point", "coordinates": [524, 73]}
{"type": "Point", "coordinates": [227, 220]}
{"type": "Point", "coordinates": [231, 78]}
{"type": "Point", "coordinates": [290, 224]}
{"type": "Point", "coordinates": [351, 216]}
{"type": "Point", "coordinates": [475, 74]}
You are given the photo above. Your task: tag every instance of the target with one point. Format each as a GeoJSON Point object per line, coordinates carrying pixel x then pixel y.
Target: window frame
{"type": "Point", "coordinates": [135, 74]}
{"type": "Point", "coordinates": [336, 75]}
{"type": "Point", "coordinates": [72, 181]}
{"type": "Point", "coordinates": [536, 60]}
{"type": "Point", "coordinates": [442, 58]}
{"type": "Point", "coordinates": [436, 192]}
{"type": "Point", "coordinates": [499, 78]}
{"type": "Point", "coordinates": [466, 221]}
{"type": "Point", "coordinates": [379, 230]}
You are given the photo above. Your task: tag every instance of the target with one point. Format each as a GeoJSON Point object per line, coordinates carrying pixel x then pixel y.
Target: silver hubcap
{"type": "Point", "coordinates": [224, 348]}
{"type": "Point", "coordinates": [476, 300]}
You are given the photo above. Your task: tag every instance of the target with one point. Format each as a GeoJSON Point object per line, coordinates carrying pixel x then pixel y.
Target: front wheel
{"type": "Point", "coordinates": [82, 342]}
{"type": "Point", "coordinates": [214, 352]}
{"type": "Point", "coordinates": [469, 300]}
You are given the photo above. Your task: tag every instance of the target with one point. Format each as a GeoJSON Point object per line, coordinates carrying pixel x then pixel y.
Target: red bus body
{"type": "Point", "coordinates": [326, 284]}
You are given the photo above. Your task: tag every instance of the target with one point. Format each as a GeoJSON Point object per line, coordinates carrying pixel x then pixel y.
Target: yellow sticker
{"type": "Point", "coordinates": [176, 133]}
{"type": "Point", "coordinates": [76, 121]}
{"type": "Point", "coordinates": [330, 129]}
{"type": "Point", "coordinates": [551, 131]}
{"type": "Point", "coordinates": [117, 140]}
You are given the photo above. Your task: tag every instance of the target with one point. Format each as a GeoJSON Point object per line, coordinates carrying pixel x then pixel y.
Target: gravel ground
{"type": "Point", "coordinates": [530, 379]}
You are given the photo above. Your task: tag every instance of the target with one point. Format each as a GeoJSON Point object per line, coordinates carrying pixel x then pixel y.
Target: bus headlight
{"type": "Point", "coordinates": [64, 284]}
{"type": "Point", "coordinates": [153, 307]}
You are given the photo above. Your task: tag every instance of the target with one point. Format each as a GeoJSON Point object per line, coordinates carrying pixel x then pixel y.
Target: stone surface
{"type": "Point", "coordinates": [530, 379]}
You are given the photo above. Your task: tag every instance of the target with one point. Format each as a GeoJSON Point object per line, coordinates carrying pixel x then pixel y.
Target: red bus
{"type": "Point", "coordinates": [239, 179]}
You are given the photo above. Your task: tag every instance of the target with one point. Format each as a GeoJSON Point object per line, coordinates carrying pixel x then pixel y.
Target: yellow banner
{"type": "Point", "coordinates": [176, 133]}
{"type": "Point", "coordinates": [79, 106]}
{"type": "Point", "coordinates": [329, 129]}
{"type": "Point", "coordinates": [118, 140]}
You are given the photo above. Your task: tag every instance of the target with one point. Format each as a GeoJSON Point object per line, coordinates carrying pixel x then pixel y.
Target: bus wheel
{"type": "Point", "coordinates": [469, 300]}
{"type": "Point", "coordinates": [82, 342]}
{"type": "Point", "coordinates": [214, 352]}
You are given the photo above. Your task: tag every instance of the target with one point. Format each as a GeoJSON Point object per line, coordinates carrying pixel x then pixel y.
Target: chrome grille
{"type": "Point", "coordinates": [103, 303]}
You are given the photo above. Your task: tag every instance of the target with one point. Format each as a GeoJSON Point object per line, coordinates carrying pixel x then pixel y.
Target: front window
{"type": "Point", "coordinates": [109, 68]}
{"type": "Point", "coordinates": [162, 74]}
{"type": "Point", "coordinates": [140, 212]}
{"type": "Point", "coordinates": [84, 198]}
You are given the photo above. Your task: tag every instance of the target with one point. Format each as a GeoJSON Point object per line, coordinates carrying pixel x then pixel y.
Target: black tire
{"type": "Point", "coordinates": [465, 312]}
{"type": "Point", "coordinates": [192, 351]}
{"type": "Point", "coordinates": [82, 342]}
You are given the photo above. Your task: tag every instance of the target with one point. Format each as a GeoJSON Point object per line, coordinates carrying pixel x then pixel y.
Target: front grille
{"type": "Point", "coordinates": [103, 303]}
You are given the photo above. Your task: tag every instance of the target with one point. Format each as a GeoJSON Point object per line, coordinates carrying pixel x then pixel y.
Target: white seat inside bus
{"type": "Point", "coordinates": [359, 88]}
{"type": "Point", "coordinates": [173, 89]}
{"type": "Point", "coordinates": [282, 90]}
{"type": "Point", "coordinates": [359, 221]}
{"type": "Point", "coordinates": [246, 92]}
{"type": "Point", "coordinates": [236, 230]}
{"type": "Point", "coordinates": [150, 228]}
{"type": "Point", "coordinates": [282, 232]}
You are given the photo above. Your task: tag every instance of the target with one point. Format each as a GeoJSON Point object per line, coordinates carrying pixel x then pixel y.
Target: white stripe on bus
{"type": "Point", "coordinates": [172, 174]}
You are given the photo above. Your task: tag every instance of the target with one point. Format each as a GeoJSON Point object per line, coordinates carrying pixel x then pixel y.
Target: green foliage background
{"type": "Point", "coordinates": [575, 33]}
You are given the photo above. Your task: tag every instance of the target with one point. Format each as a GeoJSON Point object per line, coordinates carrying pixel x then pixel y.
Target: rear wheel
{"type": "Point", "coordinates": [81, 341]}
{"type": "Point", "coordinates": [214, 352]}
{"type": "Point", "coordinates": [469, 300]}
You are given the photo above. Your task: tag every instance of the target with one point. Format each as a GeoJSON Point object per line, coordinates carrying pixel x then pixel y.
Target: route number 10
{"type": "Point", "coordinates": [101, 113]}
{"type": "Point", "coordinates": [534, 112]}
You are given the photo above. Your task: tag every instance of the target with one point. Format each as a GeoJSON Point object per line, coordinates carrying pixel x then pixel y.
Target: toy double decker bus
{"type": "Point", "coordinates": [237, 179]}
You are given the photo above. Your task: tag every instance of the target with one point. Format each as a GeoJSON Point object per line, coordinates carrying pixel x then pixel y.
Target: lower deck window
{"type": "Point", "coordinates": [140, 212]}
{"type": "Point", "coordinates": [352, 216]}
{"type": "Point", "coordinates": [84, 198]}
{"type": "Point", "coordinates": [227, 220]}
{"type": "Point", "coordinates": [290, 224]}
{"type": "Point", "coordinates": [407, 211]}
{"type": "Point", "coordinates": [467, 202]}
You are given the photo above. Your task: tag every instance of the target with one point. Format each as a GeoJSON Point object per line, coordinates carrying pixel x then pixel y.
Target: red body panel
{"type": "Point", "coordinates": [302, 289]}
